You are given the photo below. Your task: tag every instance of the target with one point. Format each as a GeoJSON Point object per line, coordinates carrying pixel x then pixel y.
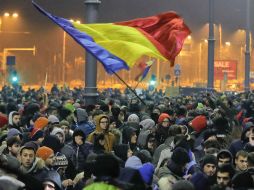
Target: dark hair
{"type": "Point", "coordinates": [226, 168]}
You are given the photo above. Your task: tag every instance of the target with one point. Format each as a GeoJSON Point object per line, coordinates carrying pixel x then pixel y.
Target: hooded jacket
{"type": "Point", "coordinates": [108, 136]}
{"type": "Point", "coordinates": [81, 151]}
{"type": "Point", "coordinates": [239, 144]}
{"type": "Point", "coordinates": [147, 125]}
{"type": "Point", "coordinates": [82, 122]}
{"type": "Point", "coordinates": [10, 120]}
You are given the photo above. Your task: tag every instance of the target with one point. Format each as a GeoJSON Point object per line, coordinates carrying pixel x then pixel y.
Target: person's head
{"type": "Point", "coordinates": [37, 135]}
{"type": "Point", "coordinates": [48, 185]}
{"type": "Point", "coordinates": [251, 160]}
{"type": "Point", "coordinates": [78, 137]}
{"type": "Point", "coordinates": [65, 126]}
{"type": "Point", "coordinates": [59, 133]}
{"type": "Point", "coordinates": [179, 159]}
{"type": "Point", "coordinates": [102, 123]}
{"type": "Point", "coordinates": [51, 180]}
{"type": "Point", "coordinates": [13, 145]}
{"type": "Point", "coordinates": [225, 172]}
{"type": "Point", "coordinates": [46, 154]}
{"type": "Point", "coordinates": [209, 165]}
{"type": "Point", "coordinates": [60, 163]}
{"type": "Point", "coordinates": [16, 118]}
{"type": "Point", "coordinates": [27, 156]}
{"type": "Point", "coordinates": [224, 157]}
{"type": "Point", "coordinates": [211, 147]}
{"type": "Point", "coordinates": [164, 120]}
{"type": "Point", "coordinates": [123, 151]}
{"type": "Point", "coordinates": [241, 163]}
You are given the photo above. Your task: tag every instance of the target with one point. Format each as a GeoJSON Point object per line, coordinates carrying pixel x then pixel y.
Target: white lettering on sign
{"type": "Point", "coordinates": [223, 64]}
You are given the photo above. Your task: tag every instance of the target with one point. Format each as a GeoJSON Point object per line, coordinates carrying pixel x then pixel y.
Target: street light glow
{"type": "Point", "coordinates": [227, 43]}
{"type": "Point", "coordinates": [189, 37]}
{"type": "Point", "coordinates": [206, 41]}
{"type": "Point", "coordinates": [6, 14]}
{"type": "Point", "coordinates": [15, 15]}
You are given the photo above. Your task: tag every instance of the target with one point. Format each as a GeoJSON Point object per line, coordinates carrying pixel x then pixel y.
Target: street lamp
{"type": "Point", "coordinates": [7, 14]}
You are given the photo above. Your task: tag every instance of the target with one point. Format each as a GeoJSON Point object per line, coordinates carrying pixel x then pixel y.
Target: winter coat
{"type": "Point", "coordinates": [108, 136]}
{"type": "Point", "coordinates": [81, 153]}
{"type": "Point", "coordinates": [147, 125]}
{"type": "Point", "coordinates": [167, 178]}
{"type": "Point", "coordinates": [82, 122]}
{"type": "Point", "coordinates": [37, 167]}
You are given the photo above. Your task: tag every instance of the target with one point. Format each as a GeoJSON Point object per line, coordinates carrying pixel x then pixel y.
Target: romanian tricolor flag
{"type": "Point", "coordinates": [121, 45]}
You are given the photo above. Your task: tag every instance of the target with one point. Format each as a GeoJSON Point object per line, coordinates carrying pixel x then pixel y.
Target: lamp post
{"type": "Point", "coordinates": [211, 41]}
{"type": "Point", "coordinates": [91, 93]}
{"type": "Point", "coordinates": [247, 50]}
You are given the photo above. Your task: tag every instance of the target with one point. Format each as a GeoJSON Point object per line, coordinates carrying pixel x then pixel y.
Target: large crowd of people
{"type": "Point", "coordinates": [56, 141]}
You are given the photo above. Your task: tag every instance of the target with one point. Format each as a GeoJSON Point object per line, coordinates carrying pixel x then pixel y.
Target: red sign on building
{"type": "Point", "coordinates": [224, 68]}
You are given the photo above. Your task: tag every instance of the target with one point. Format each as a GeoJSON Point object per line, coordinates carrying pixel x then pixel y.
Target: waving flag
{"type": "Point", "coordinates": [121, 45]}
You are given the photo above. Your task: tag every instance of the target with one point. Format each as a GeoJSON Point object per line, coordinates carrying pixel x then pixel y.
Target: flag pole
{"type": "Point", "coordinates": [138, 83]}
{"type": "Point", "coordinates": [133, 91]}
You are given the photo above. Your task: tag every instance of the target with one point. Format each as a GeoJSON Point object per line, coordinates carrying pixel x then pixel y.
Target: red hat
{"type": "Point", "coordinates": [44, 152]}
{"type": "Point", "coordinates": [41, 122]}
{"type": "Point", "coordinates": [198, 123]}
{"type": "Point", "coordinates": [162, 117]}
{"type": "Point", "coordinates": [3, 120]}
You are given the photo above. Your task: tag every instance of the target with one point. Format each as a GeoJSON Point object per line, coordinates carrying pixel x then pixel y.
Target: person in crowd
{"type": "Point", "coordinates": [102, 126]}
{"type": "Point", "coordinates": [241, 163]}
{"type": "Point", "coordinates": [81, 122]}
{"type": "Point", "coordinates": [47, 155]}
{"type": "Point", "coordinates": [174, 170]}
{"type": "Point", "coordinates": [224, 157]}
{"type": "Point", "coordinates": [14, 120]}
{"type": "Point", "coordinates": [82, 149]}
{"type": "Point", "coordinates": [163, 127]}
{"type": "Point", "coordinates": [225, 173]}
{"type": "Point", "coordinates": [29, 163]}
{"type": "Point", "coordinates": [65, 126]}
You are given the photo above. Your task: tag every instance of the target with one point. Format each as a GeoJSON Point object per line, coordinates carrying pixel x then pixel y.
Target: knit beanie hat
{"type": "Point", "coordinates": [36, 134]}
{"type": "Point", "coordinates": [198, 123]}
{"type": "Point", "coordinates": [44, 152]}
{"type": "Point", "coordinates": [106, 165]}
{"type": "Point", "coordinates": [133, 162]}
{"type": "Point", "coordinates": [65, 123]}
{"type": "Point", "coordinates": [180, 156]}
{"type": "Point", "coordinates": [162, 117]}
{"type": "Point", "coordinates": [147, 171]}
{"type": "Point", "coordinates": [147, 124]}
{"type": "Point", "coordinates": [13, 132]}
{"type": "Point", "coordinates": [69, 107]}
{"type": "Point", "coordinates": [133, 118]}
{"type": "Point", "coordinates": [3, 120]}
{"type": "Point", "coordinates": [53, 119]}
{"type": "Point", "coordinates": [30, 145]}
{"type": "Point", "coordinates": [209, 159]}
{"type": "Point", "coordinates": [41, 122]}
{"type": "Point", "coordinates": [60, 161]}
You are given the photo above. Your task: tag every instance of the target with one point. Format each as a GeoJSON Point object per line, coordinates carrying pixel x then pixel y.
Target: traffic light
{"type": "Point", "coordinates": [153, 80]}
{"type": "Point", "coordinates": [14, 78]}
